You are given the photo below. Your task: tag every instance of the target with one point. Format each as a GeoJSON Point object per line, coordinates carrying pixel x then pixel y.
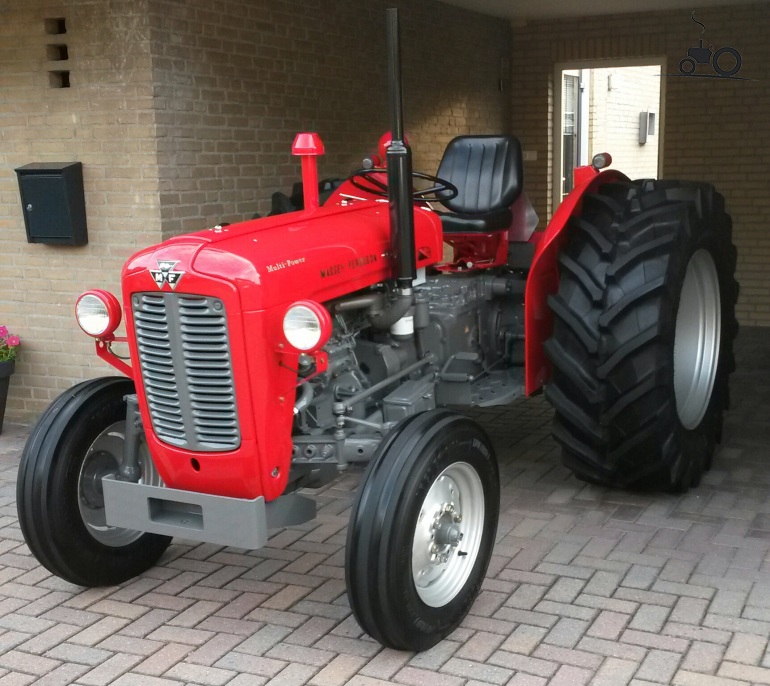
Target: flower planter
{"type": "Point", "coordinates": [6, 369]}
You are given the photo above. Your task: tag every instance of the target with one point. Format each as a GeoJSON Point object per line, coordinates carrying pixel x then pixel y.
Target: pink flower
{"type": "Point", "coordinates": [12, 341]}
{"type": "Point", "coordinates": [3, 331]}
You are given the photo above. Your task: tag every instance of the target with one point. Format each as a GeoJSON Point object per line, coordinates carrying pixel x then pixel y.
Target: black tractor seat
{"type": "Point", "coordinates": [489, 176]}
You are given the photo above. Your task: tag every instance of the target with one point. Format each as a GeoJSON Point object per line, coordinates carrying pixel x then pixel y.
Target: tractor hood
{"type": "Point", "coordinates": [318, 255]}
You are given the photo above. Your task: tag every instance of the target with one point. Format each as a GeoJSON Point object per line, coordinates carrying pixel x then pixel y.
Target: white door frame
{"type": "Point", "coordinates": [556, 132]}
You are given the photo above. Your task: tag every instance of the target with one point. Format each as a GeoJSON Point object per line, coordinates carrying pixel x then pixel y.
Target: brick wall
{"type": "Point", "coordinates": [183, 114]}
{"type": "Point", "coordinates": [105, 120]}
{"type": "Point", "coordinates": [235, 84]}
{"type": "Point", "coordinates": [617, 96]}
{"type": "Point", "coordinates": [714, 129]}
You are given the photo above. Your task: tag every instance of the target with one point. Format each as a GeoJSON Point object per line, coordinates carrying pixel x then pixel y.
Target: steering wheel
{"type": "Point", "coordinates": [439, 191]}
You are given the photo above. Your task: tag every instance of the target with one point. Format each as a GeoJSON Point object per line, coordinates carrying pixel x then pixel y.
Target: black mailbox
{"type": "Point", "coordinates": [53, 202]}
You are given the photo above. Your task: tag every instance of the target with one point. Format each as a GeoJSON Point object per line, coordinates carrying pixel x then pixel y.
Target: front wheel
{"type": "Point", "coordinates": [422, 530]}
{"type": "Point", "coordinates": [78, 440]}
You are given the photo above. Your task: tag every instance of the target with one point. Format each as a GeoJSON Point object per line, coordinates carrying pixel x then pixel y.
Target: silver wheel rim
{"type": "Point", "coordinates": [447, 537]}
{"type": "Point", "coordinates": [104, 457]}
{"type": "Point", "coordinates": [697, 339]}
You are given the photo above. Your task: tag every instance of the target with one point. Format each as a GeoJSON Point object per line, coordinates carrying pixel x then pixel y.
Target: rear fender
{"type": "Point", "coordinates": [543, 279]}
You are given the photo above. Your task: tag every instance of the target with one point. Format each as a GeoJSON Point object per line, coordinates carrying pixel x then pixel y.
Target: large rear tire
{"type": "Point", "coordinates": [422, 530]}
{"type": "Point", "coordinates": [642, 345]}
{"type": "Point", "coordinates": [59, 498]}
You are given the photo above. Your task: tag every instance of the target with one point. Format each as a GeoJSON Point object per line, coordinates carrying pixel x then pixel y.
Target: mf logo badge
{"type": "Point", "coordinates": [165, 274]}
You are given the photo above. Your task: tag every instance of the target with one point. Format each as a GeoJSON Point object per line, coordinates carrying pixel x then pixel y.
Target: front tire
{"type": "Point", "coordinates": [422, 530]}
{"type": "Point", "coordinates": [79, 439]}
{"type": "Point", "coordinates": [644, 323]}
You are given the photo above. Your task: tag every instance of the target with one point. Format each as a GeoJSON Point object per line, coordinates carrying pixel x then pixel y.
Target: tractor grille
{"type": "Point", "coordinates": [184, 355]}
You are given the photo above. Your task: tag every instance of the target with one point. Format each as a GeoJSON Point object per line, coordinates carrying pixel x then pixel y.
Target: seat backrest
{"type": "Point", "coordinates": [487, 171]}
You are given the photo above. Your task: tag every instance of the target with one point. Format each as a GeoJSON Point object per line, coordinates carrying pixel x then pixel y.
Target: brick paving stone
{"type": "Point", "coordinates": [198, 674]}
{"type": "Point", "coordinates": [240, 627]}
{"type": "Point", "coordinates": [523, 663]}
{"type": "Point", "coordinates": [68, 652]}
{"type": "Point", "coordinates": [178, 634]}
{"type": "Point", "coordinates": [746, 649]}
{"type": "Point", "coordinates": [419, 677]}
{"type": "Point", "coordinates": [569, 610]}
{"type": "Point", "coordinates": [649, 640]}
{"type": "Point", "coordinates": [703, 657]}
{"type": "Point", "coordinates": [147, 623]}
{"type": "Point", "coordinates": [293, 675]}
{"type": "Point", "coordinates": [303, 654]}
{"type": "Point", "coordinates": [479, 647]}
{"type": "Point", "coordinates": [684, 678]}
{"type": "Point", "coordinates": [611, 648]}
{"type": "Point", "coordinates": [468, 669]}
{"type": "Point", "coordinates": [526, 596]}
{"type": "Point", "coordinates": [339, 671]}
{"type": "Point", "coordinates": [48, 639]}
{"type": "Point", "coordinates": [16, 679]}
{"type": "Point", "coordinates": [733, 670]}
{"type": "Point", "coordinates": [129, 644]}
{"type": "Point", "coordinates": [524, 639]}
{"type": "Point", "coordinates": [571, 676]}
{"type": "Point", "coordinates": [526, 617]}
{"type": "Point", "coordinates": [646, 597]}
{"type": "Point", "coordinates": [728, 603]}
{"type": "Point", "coordinates": [611, 604]}
{"type": "Point", "coordinates": [31, 625]}
{"type": "Point", "coordinates": [264, 639]}
{"type": "Point", "coordinates": [497, 626]}
{"type": "Point", "coordinates": [567, 656]}
{"type": "Point", "coordinates": [341, 644]}
{"type": "Point", "coordinates": [689, 610]}
{"type": "Point", "coordinates": [110, 670]}
{"type": "Point", "coordinates": [386, 663]}
{"type": "Point", "coordinates": [240, 606]}
{"type": "Point", "coordinates": [522, 679]}
{"type": "Point", "coordinates": [608, 625]}
{"type": "Point", "coordinates": [29, 664]}
{"type": "Point", "coordinates": [659, 666]}
{"type": "Point", "coordinates": [650, 618]}
{"type": "Point", "coordinates": [240, 662]}
{"type": "Point", "coordinates": [566, 632]}
{"type": "Point", "coordinates": [142, 680]}
{"type": "Point", "coordinates": [697, 633]}
{"type": "Point", "coordinates": [63, 675]}
{"type": "Point", "coordinates": [164, 659]}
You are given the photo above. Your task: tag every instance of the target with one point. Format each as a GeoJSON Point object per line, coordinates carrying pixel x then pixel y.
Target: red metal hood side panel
{"type": "Point", "coordinates": [258, 268]}
{"type": "Point", "coordinates": [318, 255]}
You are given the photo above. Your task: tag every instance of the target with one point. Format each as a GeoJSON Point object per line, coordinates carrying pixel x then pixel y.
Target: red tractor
{"type": "Point", "coordinates": [269, 355]}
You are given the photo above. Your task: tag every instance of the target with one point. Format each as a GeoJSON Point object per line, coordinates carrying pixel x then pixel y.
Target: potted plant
{"type": "Point", "coordinates": [9, 344]}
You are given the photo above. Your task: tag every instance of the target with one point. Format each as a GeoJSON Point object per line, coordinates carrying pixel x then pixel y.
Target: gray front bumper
{"type": "Point", "coordinates": [216, 519]}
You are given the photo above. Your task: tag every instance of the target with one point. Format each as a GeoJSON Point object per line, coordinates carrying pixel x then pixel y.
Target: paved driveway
{"type": "Point", "coordinates": [587, 585]}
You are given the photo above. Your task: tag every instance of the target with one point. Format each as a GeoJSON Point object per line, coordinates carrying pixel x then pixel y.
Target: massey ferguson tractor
{"type": "Point", "coordinates": [267, 356]}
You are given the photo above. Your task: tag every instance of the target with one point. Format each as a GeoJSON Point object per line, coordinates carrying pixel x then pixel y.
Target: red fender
{"type": "Point", "coordinates": [543, 279]}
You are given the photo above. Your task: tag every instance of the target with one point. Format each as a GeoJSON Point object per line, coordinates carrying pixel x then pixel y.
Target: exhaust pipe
{"type": "Point", "coordinates": [399, 168]}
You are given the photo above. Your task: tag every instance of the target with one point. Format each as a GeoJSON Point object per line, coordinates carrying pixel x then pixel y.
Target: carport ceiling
{"type": "Point", "coordinates": [542, 9]}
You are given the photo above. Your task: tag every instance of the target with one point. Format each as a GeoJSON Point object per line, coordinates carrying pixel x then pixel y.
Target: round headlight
{"type": "Point", "coordinates": [97, 313]}
{"type": "Point", "coordinates": [306, 325]}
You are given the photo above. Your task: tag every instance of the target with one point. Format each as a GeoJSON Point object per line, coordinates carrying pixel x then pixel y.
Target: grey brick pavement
{"type": "Point", "coordinates": [586, 586]}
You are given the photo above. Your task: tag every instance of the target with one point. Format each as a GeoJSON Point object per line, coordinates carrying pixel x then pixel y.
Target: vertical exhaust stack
{"type": "Point", "coordinates": [399, 167]}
